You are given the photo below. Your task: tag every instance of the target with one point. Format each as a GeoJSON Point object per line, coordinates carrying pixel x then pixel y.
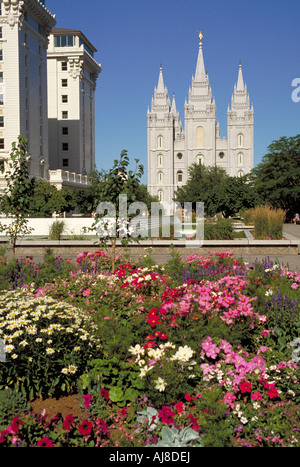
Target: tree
{"type": "Point", "coordinates": [86, 200]}
{"type": "Point", "coordinates": [277, 177]}
{"type": "Point", "coordinates": [47, 199]}
{"type": "Point", "coordinates": [205, 184]}
{"type": "Point", "coordinates": [118, 181]}
{"type": "Point", "coordinates": [15, 202]}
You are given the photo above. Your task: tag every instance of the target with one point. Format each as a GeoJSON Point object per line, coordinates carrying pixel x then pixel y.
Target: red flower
{"type": "Point", "coordinates": [45, 442]}
{"type": "Point", "coordinates": [166, 415]}
{"type": "Point", "coordinates": [85, 428]}
{"type": "Point", "coordinates": [87, 399]}
{"type": "Point", "coordinates": [16, 423]}
{"type": "Point", "coordinates": [245, 387]}
{"type": "Point", "coordinates": [104, 393]}
{"type": "Point", "coordinates": [271, 390]}
{"type": "Point", "coordinates": [67, 422]}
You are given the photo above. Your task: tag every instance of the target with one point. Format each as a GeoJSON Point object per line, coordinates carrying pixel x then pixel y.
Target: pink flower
{"type": "Point", "coordinates": [294, 286]}
{"type": "Point", "coordinates": [87, 292]}
{"type": "Point", "coordinates": [229, 398]}
{"type": "Point", "coordinates": [213, 351]}
{"type": "Point", "coordinates": [256, 396]}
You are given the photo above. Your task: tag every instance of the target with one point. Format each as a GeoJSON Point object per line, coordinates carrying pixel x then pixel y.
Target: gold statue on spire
{"type": "Point", "coordinates": [200, 37]}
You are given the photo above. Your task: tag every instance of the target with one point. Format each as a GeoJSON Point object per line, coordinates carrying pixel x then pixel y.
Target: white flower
{"type": "Point", "coordinates": [50, 351]}
{"type": "Point", "coordinates": [72, 369]}
{"type": "Point", "coordinates": [160, 385]}
{"type": "Point", "coordinates": [183, 354]}
{"type": "Point", "coordinates": [137, 350]}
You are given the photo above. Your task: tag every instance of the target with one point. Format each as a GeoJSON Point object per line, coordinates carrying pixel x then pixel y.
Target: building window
{"type": "Point", "coordinates": [1, 143]}
{"type": "Point", "coordinates": [160, 142]}
{"type": "Point", "coordinates": [240, 159]}
{"type": "Point", "coordinates": [221, 155]}
{"type": "Point", "coordinates": [179, 176]}
{"type": "Point", "coordinates": [1, 99]}
{"type": "Point", "coordinates": [65, 146]}
{"type": "Point", "coordinates": [64, 99]}
{"type": "Point", "coordinates": [1, 34]}
{"type": "Point", "coordinates": [64, 66]}
{"type": "Point", "coordinates": [1, 77]}
{"type": "Point", "coordinates": [160, 178]}
{"type": "Point", "coordinates": [179, 156]}
{"type": "Point", "coordinates": [200, 159]}
{"type": "Point", "coordinates": [64, 83]}
{"type": "Point", "coordinates": [160, 160]}
{"type": "Point", "coordinates": [64, 114]}
{"type": "Point", "coordinates": [65, 40]}
{"type": "Point", "coordinates": [2, 165]}
{"type": "Point", "coordinates": [1, 55]}
{"type": "Point", "coordinates": [160, 195]}
{"type": "Point", "coordinates": [240, 173]}
{"type": "Point", "coordinates": [1, 121]}
{"type": "Point", "coordinates": [65, 162]}
{"type": "Point", "coordinates": [65, 130]}
{"type": "Point", "coordinates": [200, 138]}
{"type": "Point", "coordinates": [240, 140]}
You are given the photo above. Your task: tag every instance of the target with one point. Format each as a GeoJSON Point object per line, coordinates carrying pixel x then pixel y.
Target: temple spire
{"type": "Point", "coordinates": [200, 75]}
{"type": "Point", "coordinates": [161, 85]}
{"type": "Point", "coordinates": [240, 83]}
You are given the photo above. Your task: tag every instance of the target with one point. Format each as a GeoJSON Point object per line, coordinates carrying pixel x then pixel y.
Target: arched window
{"type": "Point", "coordinates": [160, 195]}
{"type": "Point", "coordinates": [160, 160]}
{"type": "Point", "coordinates": [240, 140]}
{"type": "Point", "coordinates": [179, 156]}
{"type": "Point", "coordinates": [221, 155]}
{"type": "Point", "coordinates": [160, 141]}
{"type": "Point", "coordinates": [240, 173]}
{"type": "Point", "coordinates": [200, 159]}
{"type": "Point", "coordinates": [160, 178]}
{"type": "Point", "coordinates": [179, 176]}
{"type": "Point", "coordinates": [200, 138]}
{"type": "Point", "coordinates": [240, 159]}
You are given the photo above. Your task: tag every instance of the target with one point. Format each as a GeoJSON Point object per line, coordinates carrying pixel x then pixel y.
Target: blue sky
{"type": "Point", "coordinates": [133, 37]}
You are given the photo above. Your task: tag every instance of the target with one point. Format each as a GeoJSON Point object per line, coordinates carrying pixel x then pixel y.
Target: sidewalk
{"type": "Point", "coordinates": [290, 231]}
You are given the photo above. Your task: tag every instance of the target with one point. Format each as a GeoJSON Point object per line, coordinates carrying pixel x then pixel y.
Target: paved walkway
{"type": "Point", "coordinates": [290, 231]}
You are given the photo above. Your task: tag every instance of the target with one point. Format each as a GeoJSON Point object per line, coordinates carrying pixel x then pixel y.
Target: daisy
{"type": "Point", "coordinates": [50, 351]}
{"type": "Point", "coordinates": [72, 369]}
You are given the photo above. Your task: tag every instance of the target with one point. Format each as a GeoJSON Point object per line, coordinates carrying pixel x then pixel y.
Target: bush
{"type": "Point", "coordinates": [12, 404]}
{"type": "Point", "coordinates": [56, 230]}
{"type": "Point", "coordinates": [47, 346]}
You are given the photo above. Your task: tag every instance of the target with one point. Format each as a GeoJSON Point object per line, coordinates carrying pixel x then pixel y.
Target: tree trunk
{"type": "Point", "coordinates": [113, 254]}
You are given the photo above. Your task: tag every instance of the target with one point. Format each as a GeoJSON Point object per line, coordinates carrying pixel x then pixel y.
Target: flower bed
{"type": "Point", "coordinates": [200, 352]}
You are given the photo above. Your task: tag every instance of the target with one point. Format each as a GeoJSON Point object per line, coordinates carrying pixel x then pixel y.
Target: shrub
{"type": "Point", "coordinates": [56, 230]}
{"type": "Point", "coordinates": [47, 344]}
{"type": "Point", "coordinates": [12, 404]}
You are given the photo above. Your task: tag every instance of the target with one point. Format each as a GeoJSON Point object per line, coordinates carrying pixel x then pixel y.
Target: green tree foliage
{"type": "Point", "coordinates": [119, 180]}
{"type": "Point", "coordinates": [15, 202]}
{"type": "Point", "coordinates": [218, 191]}
{"type": "Point", "coordinates": [87, 199]}
{"type": "Point", "coordinates": [277, 177]}
{"type": "Point", "coordinates": [47, 199]}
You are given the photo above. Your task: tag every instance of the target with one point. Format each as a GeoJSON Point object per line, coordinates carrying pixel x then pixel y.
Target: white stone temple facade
{"type": "Point", "coordinates": [172, 149]}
